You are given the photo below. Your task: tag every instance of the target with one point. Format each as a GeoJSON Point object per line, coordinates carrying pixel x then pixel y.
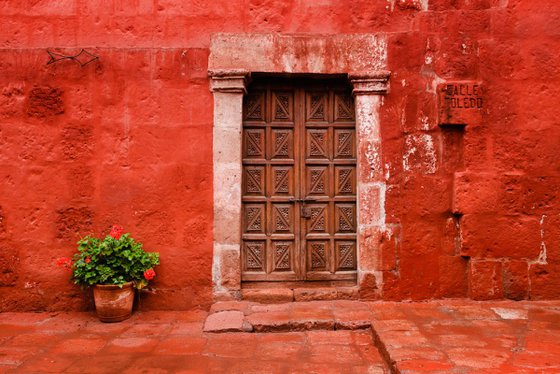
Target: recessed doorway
{"type": "Point", "coordinates": [298, 181]}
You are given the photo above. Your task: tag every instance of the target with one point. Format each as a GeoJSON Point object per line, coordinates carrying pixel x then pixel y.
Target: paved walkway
{"type": "Point", "coordinates": [450, 336]}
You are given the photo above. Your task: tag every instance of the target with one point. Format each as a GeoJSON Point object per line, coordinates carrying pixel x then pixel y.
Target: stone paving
{"type": "Point", "coordinates": [466, 336]}
{"type": "Point", "coordinates": [456, 336]}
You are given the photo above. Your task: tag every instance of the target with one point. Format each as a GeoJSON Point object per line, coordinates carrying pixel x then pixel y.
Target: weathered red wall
{"type": "Point", "coordinates": [128, 140]}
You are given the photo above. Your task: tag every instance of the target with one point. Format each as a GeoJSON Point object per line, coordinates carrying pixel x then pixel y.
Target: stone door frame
{"type": "Point", "coordinates": [233, 57]}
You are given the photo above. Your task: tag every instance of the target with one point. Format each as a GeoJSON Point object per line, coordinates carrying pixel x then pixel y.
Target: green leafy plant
{"type": "Point", "coordinates": [116, 259]}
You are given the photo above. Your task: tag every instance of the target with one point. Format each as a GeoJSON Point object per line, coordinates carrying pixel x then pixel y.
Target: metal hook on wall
{"type": "Point", "coordinates": [83, 57]}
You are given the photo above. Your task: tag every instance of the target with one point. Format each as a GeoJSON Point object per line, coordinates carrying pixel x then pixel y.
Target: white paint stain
{"type": "Point", "coordinates": [403, 82]}
{"type": "Point", "coordinates": [387, 171]}
{"type": "Point", "coordinates": [382, 212]}
{"type": "Point", "coordinates": [428, 59]}
{"type": "Point", "coordinates": [542, 260]}
{"type": "Point", "coordinates": [183, 57]}
{"type": "Point", "coordinates": [432, 86]}
{"type": "Point", "coordinates": [424, 122]}
{"type": "Point", "coordinates": [390, 5]}
{"type": "Point", "coordinates": [403, 113]}
{"type": "Point", "coordinates": [28, 285]}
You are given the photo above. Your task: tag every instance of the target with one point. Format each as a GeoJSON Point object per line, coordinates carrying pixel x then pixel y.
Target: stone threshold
{"type": "Point", "coordinates": [247, 316]}
{"type": "Point", "coordinates": [287, 294]}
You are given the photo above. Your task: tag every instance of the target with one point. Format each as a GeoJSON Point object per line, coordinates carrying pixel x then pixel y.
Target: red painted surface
{"type": "Point", "coordinates": [128, 140]}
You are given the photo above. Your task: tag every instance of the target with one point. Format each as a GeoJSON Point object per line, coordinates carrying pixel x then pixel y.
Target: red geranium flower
{"type": "Point", "coordinates": [116, 232]}
{"type": "Point", "coordinates": [64, 262]}
{"type": "Point", "coordinates": [149, 274]}
{"type": "Point", "coordinates": [87, 260]}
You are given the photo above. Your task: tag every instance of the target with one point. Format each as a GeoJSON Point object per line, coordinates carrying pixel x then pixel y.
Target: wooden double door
{"type": "Point", "coordinates": [299, 182]}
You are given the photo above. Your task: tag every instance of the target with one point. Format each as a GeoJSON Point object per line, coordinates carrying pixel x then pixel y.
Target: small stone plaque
{"type": "Point", "coordinates": [460, 103]}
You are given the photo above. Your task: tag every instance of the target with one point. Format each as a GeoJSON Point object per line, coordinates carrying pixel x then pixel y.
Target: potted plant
{"type": "Point", "coordinates": [114, 267]}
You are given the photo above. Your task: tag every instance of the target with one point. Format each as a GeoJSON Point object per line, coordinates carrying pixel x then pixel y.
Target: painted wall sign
{"type": "Point", "coordinates": [460, 103]}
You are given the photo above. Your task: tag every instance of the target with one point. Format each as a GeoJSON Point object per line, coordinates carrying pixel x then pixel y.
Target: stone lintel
{"type": "Point", "coordinates": [229, 80]}
{"type": "Point", "coordinates": [298, 53]}
{"type": "Point", "coordinates": [372, 83]}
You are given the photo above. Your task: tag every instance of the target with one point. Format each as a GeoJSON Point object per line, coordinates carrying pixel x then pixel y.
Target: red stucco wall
{"type": "Point", "coordinates": [128, 140]}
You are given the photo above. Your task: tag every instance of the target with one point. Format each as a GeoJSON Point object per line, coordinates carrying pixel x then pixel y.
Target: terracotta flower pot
{"type": "Point", "coordinates": [113, 303]}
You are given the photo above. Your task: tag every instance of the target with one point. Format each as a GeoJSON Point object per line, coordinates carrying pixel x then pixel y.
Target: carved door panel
{"type": "Point", "coordinates": [299, 189]}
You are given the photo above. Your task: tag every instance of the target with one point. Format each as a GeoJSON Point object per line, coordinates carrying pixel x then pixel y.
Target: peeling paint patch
{"type": "Point", "coordinates": [373, 160]}
{"type": "Point", "coordinates": [378, 50]}
{"type": "Point", "coordinates": [420, 154]}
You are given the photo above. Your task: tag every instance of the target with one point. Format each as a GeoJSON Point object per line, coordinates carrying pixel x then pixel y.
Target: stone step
{"type": "Point", "coordinates": [286, 295]}
{"type": "Point", "coordinates": [246, 316]}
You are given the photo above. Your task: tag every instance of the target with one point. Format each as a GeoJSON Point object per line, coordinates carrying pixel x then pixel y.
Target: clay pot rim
{"type": "Point", "coordinates": [115, 286]}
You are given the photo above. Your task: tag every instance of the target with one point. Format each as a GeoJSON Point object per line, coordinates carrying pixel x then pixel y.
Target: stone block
{"type": "Point", "coordinates": [270, 321]}
{"type": "Point", "coordinates": [73, 220]}
{"type": "Point", "coordinates": [452, 276]}
{"type": "Point", "coordinates": [227, 226]}
{"type": "Point", "coordinates": [226, 295]}
{"type": "Point", "coordinates": [451, 239]}
{"type": "Point", "coordinates": [347, 293]}
{"type": "Point", "coordinates": [269, 295]}
{"type": "Point", "coordinates": [229, 274]}
{"type": "Point", "coordinates": [491, 236]}
{"type": "Point", "coordinates": [226, 321]}
{"type": "Point", "coordinates": [475, 192]}
{"type": "Point", "coordinates": [545, 281]}
{"type": "Point", "coordinates": [389, 247]}
{"type": "Point", "coordinates": [311, 294]}
{"type": "Point", "coordinates": [368, 286]}
{"type": "Point", "coordinates": [352, 319]}
{"type": "Point", "coordinates": [368, 243]}
{"type": "Point", "coordinates": [228, 108]}
{"type": "Point", "coordinates": [460, 103]}
{"type": "Point", "coordinates": [485, 280]}
{"type": "Point", "coordinates": [9, 267]}
{"type": "Point", "coordinates": [370, 204]}
{"type": "Point", "coordinates": [223, 306]}
{"type": "Point", "coordinates": [516, 280]}
{"type": "Point", "coordinates": [278, 53]}
{"type": "Point", "coordinates": [227, 145]}
{"type": "Point", "coordinates": [45, 102]}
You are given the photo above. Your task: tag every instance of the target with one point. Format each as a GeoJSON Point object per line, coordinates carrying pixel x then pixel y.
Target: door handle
{"type": "Point", "coordinates": [305, 210]}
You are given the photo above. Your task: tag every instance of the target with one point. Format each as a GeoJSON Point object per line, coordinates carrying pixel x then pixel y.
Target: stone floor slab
{"type": "Point", "coordinates": [226, 321]}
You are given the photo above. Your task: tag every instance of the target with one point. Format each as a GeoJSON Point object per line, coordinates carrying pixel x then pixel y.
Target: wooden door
{"type": "Point", "coordinates": [299, 182]}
